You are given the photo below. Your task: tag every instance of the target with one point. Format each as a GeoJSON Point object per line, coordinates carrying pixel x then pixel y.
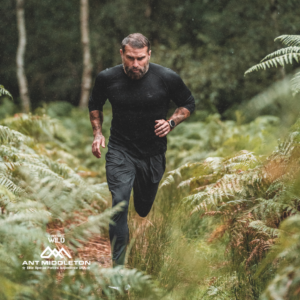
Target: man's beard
{"type": "Point", "coordinates": [136, 75]}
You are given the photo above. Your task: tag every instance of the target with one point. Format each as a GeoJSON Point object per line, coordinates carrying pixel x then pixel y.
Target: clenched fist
{"type": "Point", "coordinates": [162, 128]}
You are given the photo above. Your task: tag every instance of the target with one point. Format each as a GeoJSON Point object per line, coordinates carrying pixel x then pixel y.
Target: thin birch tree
{"type": "Point", "coordinates": [274, 7]}
{"type": "Point", "coordinates": [22, 80]}
{"type": "Point", "coordinates": [86, 81]}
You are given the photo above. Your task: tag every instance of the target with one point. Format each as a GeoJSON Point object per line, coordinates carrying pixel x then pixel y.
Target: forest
{"type": "Point", "coordinates": [225, 222]}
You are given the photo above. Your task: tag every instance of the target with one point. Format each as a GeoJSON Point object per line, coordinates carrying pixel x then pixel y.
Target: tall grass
{"type": "Point", "coordinates": [176, 247]}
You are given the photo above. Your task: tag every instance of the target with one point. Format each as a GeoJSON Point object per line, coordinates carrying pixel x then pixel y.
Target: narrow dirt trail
{"type": "Point", "coordinates": [95, 249]}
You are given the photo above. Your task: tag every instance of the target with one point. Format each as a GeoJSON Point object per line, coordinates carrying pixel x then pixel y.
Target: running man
{"type": "Point", "coordinates": [139, 93]}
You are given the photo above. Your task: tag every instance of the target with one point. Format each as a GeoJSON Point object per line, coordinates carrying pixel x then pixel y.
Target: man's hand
{"type": "Point", "coordinates": [96, 117]}
{"type": "Point", "coordinates": [162, 128]}
{"type": "Point", "coordinates": [99, 140]}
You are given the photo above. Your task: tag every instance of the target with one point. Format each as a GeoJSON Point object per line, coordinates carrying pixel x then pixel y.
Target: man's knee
{"type": "Point", "coordinates": [119, 195]}
{"type": "Point", "coordinates": [143, 208]}
{"type": "Point", "coordinates": [143, 214]}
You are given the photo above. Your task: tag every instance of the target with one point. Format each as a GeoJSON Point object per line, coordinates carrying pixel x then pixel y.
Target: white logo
{"type": "Point", "coordinates": [55, 253]}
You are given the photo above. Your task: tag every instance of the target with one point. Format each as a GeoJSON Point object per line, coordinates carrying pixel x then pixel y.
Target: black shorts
{"type": "Point", "coordinates": [124, 172]}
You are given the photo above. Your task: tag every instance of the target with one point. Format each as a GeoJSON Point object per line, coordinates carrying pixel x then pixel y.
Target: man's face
{"type": "Point", "coordinates": [135, 61]}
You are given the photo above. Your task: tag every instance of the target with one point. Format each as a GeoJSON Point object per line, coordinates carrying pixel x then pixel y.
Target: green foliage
{"type": "Point", "coordinates": [7, 107]}
{"type": "Point", "coordinates": [207, 42]}
{"type": "Point", "coordinates": [59, 109]}
{"type": "Point", "coordinates": [285, 284]}
{"type": "Point", "coordinates": [193, 141]}
{"type": "Point", "coordinates": [39, 190]}
{"type": "Point", "coordinates": [249, 197]}
{"type": "Point", "coordinates": [289, 40]}
{"type": "Point", "coordinates": [4, 92]}
{"type": "Point", "coordinates": [283, 57]}
{"type": "Point", "coordinates": [37, 178]}
{"type": "Point", "coordinates": [194, 239]}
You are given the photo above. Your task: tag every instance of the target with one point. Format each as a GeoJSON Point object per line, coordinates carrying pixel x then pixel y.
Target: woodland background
{"type": "Point", "coordinates": [225, 222]}
{"type": "Point", "coordinates": [209, 43]}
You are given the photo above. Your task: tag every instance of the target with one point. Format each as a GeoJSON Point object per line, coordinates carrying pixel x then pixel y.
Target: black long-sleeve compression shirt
{"type": "Point", "coordinates": [136, 104]}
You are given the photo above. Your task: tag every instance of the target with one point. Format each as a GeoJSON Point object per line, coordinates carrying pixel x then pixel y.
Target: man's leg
{"type": "Point", "coordinates": [149, 172]}
{"type": "Point", "coordinates": [120, 173]}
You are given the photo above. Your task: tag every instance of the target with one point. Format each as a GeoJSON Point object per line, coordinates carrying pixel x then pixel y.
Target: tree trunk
{"type": "Point", "coordinates": [274, 8]}
{"type": "Point", "coordinates": [22, 80]}
{"type": "Point", "coordinates": [86, 81]}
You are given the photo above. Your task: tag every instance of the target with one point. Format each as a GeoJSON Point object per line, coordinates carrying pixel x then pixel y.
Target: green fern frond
{"type": "Point", "coordinates": [186, 183]}
{"type": "Point", "coordinates": [61, 169]}
{"type": "Point", "coordinates": [4, 92]}
{"type": "Point", "coordinates": [229, 186]}
{"type": "Point", "coordinates": [39, 217]}
{"type": "Point", "coordinates": [213, 163]}
{"type": "Point", "coordinates": [295, 83]}
{"type": "Point", "coordinates": [234, 202]}
{"type": "Point", "coordinates": [8, 135]}
{"type": "Point", "coordinates": [285, 283]}
{"type": "Point", "coordinates": [7, 194]}
{"type": "Point", "coordinates": [32, 164]}
{"type": "Point", "coordinates": [287, 146]}
{"type": "Point", "coordinates": [42, 128]}
{"type": "Point", "coordinates": [211, 201]}
{"type": "Point", "coordinates": [241, 162]}
{"type": "Point", "coordinates": [27, 205]}
{"type": "Point", "coordinates": [242, 157]}
{"type": "Point", "coordinates": [43, 170]}
{"type": "Point", "coordinates": [267, 210]}
{"type": "Point", "coordinates": [167, 182]}
{"type": "Point", "coordinates": [196, 198]}
{"type": "Point", "coordinates": [41, 164]}
{"type": "Point", "coordinates": [289, 40]}
{"type": "Point", "coordinates": [283, 51]}
{"type": "Point", "coordinates": [263, 228]}
{"type": "Point", "coordinates": [10, 185]}
{"type": "Point", "coordinates": [274, 62]}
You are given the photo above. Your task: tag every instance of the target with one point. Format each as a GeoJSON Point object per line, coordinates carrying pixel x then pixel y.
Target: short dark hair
{"type": "Point", "coordinates": [136, 40]}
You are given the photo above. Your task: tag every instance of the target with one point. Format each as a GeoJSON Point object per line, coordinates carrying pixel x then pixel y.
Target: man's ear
{"type": "Point", "coordinates": [121, 52]}
{"type": "Point", "coordinates": [149, 54]}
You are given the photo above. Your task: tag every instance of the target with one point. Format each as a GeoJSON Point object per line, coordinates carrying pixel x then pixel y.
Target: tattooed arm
{"type": "Point", "coordinates": [162, 127]}
{"type": "Point", "coordinates": [96, 118]}
{"type": "Point", "coordinates": [180, 114]}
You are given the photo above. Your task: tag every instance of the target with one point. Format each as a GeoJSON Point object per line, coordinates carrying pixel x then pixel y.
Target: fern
{"type": "Point", "coordinates": [8, 135]}
{"type": "Point", "coordinates": [282, 57]}
{"type": "Point", "coordinates": [4, 92]}
{"type": "Point", "coordinates": [259, 226]}
{"type": "Point", "coordinates": [178, 173]}
{"type": "Point", "coordinates": [281, 60]}
{"type": "Point", "coordinates": [295, 83]}
{"type": "Point", "coordinates": [285, 284]}
{"type": "Point", "coordinates": [289, 40]}
{"type": "Point", "coordinates": [36, 192]}
{"type": "Point", "coordinates": [6, 182]}
{"type": "Point", "coordinates": [248, 197]}
{"type": "Point", "coordinates": [41, 128]}
{"type": "Point", "coordinates": [284, 51]}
